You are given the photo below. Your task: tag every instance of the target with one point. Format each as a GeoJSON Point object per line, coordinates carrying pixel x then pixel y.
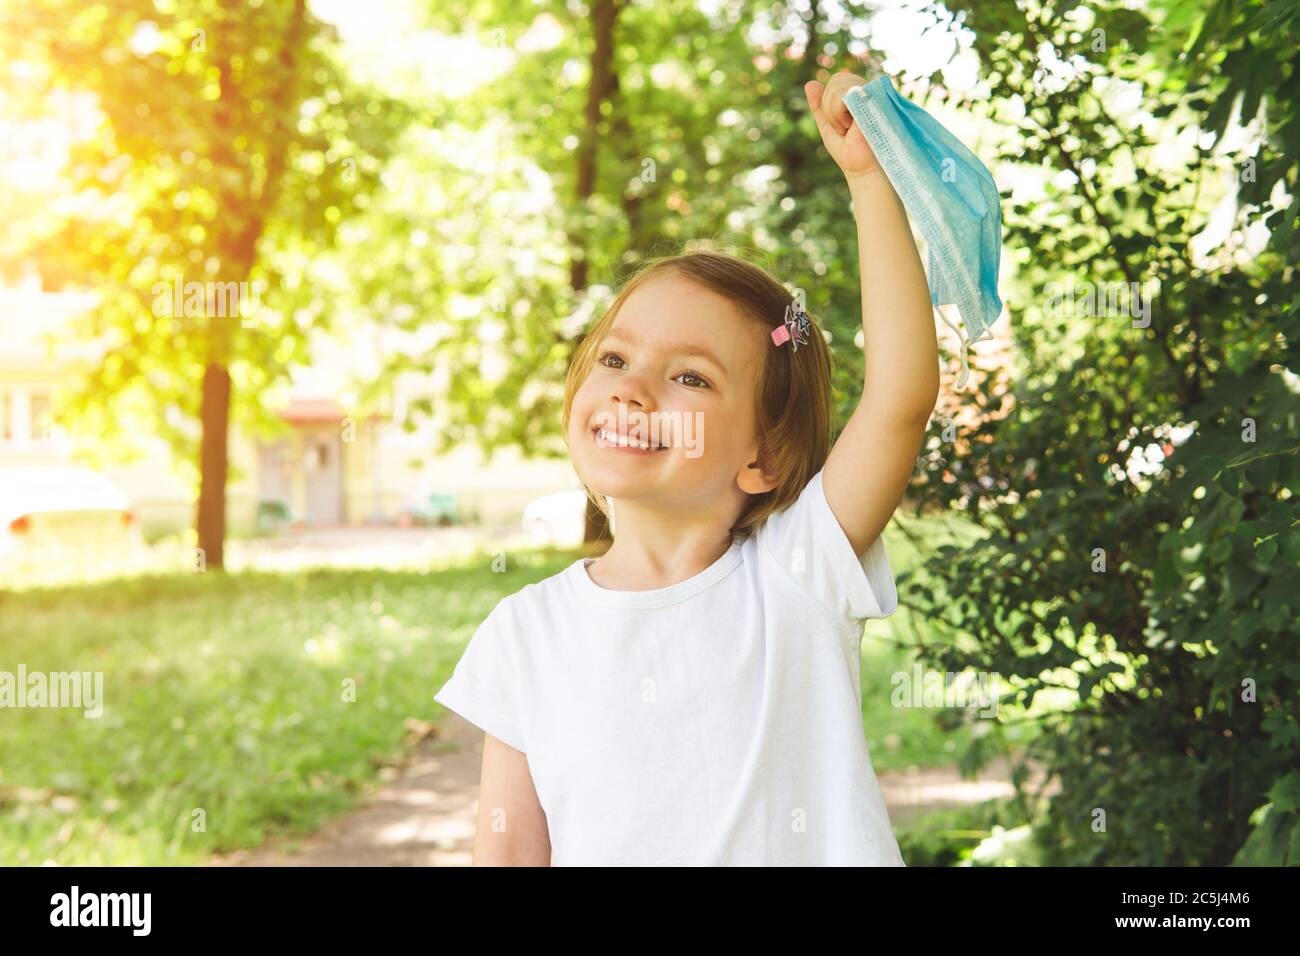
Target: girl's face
{"type": "Point", "coordinates": [677, 371]}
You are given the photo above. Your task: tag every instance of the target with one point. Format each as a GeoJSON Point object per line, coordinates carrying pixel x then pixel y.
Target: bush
{"type": "Point", "coordinates": [1136, 481]}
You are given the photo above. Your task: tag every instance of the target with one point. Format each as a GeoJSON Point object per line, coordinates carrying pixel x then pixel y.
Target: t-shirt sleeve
{"type": "Point", "coordinates": [484, 688]}
{"type": "Point", "coordinates": [806, 540]}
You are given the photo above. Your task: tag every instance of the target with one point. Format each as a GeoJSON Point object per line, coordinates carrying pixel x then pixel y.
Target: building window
{"type": "Point", "coordinates": [41, 416]}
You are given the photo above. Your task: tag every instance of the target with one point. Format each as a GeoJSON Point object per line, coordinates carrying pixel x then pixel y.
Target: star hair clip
{"type": "Point", "coordinates": [795, 327]}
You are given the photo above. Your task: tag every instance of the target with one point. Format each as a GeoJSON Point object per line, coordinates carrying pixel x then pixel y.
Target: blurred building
{"type": "Point", "coordinates": [325, 465]}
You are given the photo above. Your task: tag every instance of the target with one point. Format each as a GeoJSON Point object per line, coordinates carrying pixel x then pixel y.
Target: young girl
{"type": "Point", "coordinates": [692, 697]}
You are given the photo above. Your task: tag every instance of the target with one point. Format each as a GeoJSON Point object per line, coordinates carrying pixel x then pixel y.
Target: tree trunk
{"type": "Point", "coordinates": [215, 417]}
{"type": "Point", "coordinates": [237, 249]}
{"type": "Point", "coordinates": [603, 15]}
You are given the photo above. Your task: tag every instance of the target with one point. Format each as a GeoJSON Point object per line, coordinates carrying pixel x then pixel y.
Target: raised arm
{"type": "Point", "coordinates": [873, 458]}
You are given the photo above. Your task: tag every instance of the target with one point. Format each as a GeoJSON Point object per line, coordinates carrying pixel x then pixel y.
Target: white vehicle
{"type": "Point", "coordinates": [62, 514]}
{"type": "Point", "coordinates": [557, 520]}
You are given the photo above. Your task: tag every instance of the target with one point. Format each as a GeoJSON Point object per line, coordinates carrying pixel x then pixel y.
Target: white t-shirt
{"type": "Point", "coordinates": [716, 721]}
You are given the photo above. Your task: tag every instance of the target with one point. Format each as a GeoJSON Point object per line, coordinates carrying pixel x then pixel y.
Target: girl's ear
{"type": "Point", "coordinates": [754, 480]}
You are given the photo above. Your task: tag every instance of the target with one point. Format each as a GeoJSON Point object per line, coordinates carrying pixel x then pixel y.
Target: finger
{"type": "Point", "coordinates": [832, 105]}
{"type": "Point", "coordinates": [815, 93]}
{"type": "Point", "coordinates": [836, 110]}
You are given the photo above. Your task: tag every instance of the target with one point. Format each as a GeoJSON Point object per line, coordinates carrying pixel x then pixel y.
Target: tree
{"type": "Point", "coordinates": [233, 147]}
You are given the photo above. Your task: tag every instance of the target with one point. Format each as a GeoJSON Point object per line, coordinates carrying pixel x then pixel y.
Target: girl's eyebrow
{"type": "Point", "coordinates": [685, 348]}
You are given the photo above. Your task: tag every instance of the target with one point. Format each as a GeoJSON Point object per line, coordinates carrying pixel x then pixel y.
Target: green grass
{"type": "Point", "coordinates": [225, 695]}
{"type": "Point", "coordinates": [225, 698]}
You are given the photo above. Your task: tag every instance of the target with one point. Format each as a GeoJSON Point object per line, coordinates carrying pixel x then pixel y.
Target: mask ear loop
{"type": "Point", "coordinates": [963, 343]}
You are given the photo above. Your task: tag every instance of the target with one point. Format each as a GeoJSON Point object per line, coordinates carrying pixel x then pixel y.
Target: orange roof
{"type": "Point", "coordinates": [313, 410]}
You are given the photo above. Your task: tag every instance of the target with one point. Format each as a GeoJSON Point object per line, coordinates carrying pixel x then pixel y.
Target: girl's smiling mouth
{"type": "Point", "coordinates": [608, 438]}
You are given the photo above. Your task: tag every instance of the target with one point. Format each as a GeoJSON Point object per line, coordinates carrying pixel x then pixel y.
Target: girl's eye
{"type": "Point", "coordinates": [687, 374]}
{"type": "Point", "coordinates": [605, 355]}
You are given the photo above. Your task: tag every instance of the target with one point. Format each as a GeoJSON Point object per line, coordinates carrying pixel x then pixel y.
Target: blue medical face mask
{"type": "Point", "coordinates": [951, 197]}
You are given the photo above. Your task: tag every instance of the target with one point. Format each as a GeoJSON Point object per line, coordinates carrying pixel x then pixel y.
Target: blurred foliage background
{"type": "Point", "coordinates": [1130, 549]}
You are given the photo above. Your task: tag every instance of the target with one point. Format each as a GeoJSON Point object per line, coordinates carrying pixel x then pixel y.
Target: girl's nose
{"type": "Point", "coordinates": [631, 390]}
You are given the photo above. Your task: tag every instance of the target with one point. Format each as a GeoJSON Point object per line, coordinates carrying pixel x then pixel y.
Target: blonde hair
{"type": "Point", "coordinates": [792, 397]}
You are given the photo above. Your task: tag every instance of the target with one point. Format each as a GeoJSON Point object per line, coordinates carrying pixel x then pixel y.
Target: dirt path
{"type": "Point", "coordinates": [425, 817]}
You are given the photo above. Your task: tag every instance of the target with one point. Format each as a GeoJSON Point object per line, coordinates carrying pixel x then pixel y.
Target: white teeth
{"type": "Point", "coordinates": [613, 438]}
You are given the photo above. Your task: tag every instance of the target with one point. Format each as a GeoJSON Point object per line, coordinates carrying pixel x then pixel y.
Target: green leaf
{"type": "Point", "coordinates": [1285, 793]}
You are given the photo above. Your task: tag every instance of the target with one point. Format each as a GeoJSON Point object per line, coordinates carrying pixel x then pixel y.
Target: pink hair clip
{"type": "Point", "coordinates": [794, 328]}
